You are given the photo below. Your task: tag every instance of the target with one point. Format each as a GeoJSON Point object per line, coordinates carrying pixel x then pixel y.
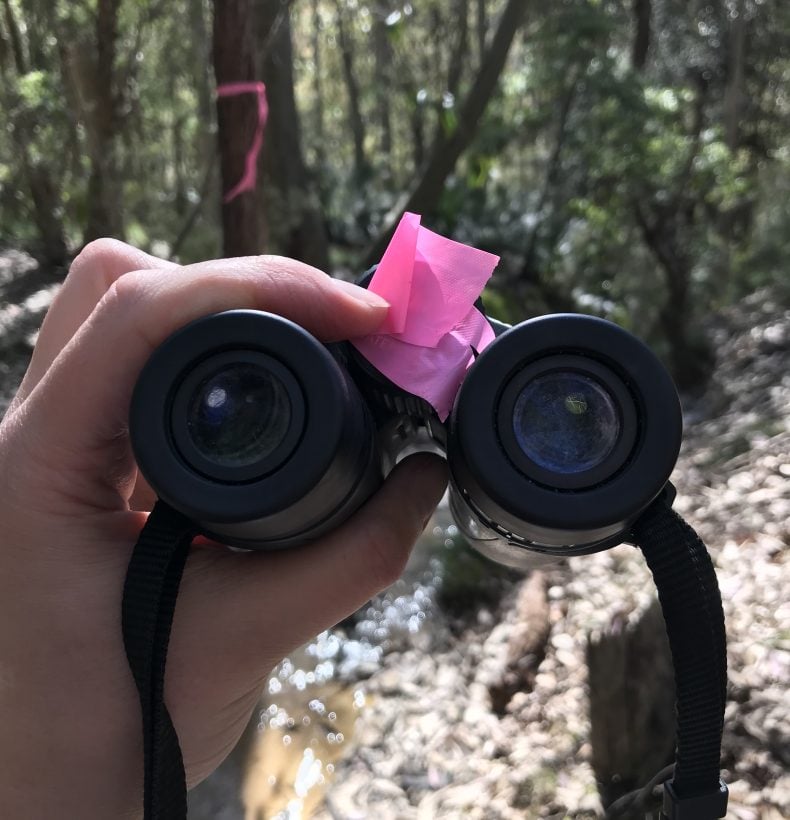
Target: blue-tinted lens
{"type": "Point", "coordinates": [566, 422]}
{"type": "Point", "coordinates": [239, 415]}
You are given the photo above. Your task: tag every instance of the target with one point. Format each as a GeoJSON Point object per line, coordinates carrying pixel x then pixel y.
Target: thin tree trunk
{"type": "Point", "coordinates": [530, 272]}
{"type": "Point", "coordinates": [356, 121]}
{"type": "Point", "coordinates": [383, 78]}
{"type": "Point", "coordinates": [14, 34]}
{"type": "Point", "coordinates": [44, 192]}
{"type": "Point", "coordinates": [424, 199]}
{"type": "Point", "coordinates": [201, 71]}
{"type": "Point", "coordinates": [460, 54]}
{"type": "Point", "coordinates": [237, 121]}
{"type": "Point", "coordinates": [318, 68]}
{"type": "Point", "coordinates": [104, 201]}
{"type": "Point", "coordinates": [642, 10]}
{"type": "Point", "coordinates": [482, 29]}
{"type": "Point", "coordinates": [293, 210]}
{"type": "Point", "coordinates": [733, 95]}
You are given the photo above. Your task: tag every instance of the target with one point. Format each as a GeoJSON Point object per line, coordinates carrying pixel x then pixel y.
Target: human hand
{"type": "Point", "coordinates": [72, 505]}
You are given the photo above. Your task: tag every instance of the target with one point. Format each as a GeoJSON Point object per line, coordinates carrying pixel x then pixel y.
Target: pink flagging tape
{"type": "Point", "coordinates": [431, 283]}
{"type": "Point", "coordinates": [250, 177]}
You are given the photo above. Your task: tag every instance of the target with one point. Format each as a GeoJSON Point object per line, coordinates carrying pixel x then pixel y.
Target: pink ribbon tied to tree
{"type": "Point", "coordinates": [433, 330]}
{"type": "Point", "coordinates": [250, 176]}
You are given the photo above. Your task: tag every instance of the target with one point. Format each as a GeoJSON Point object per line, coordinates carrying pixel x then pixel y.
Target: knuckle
{"type": "Point", "coordinates": [127, 291]}
{"type": "Point", "coordinates": [95, 260]}
{"type": "Point", "coordinates": [126, 302]}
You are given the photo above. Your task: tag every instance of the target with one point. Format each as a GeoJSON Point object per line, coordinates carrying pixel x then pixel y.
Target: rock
{"type": "Point", "coordinates": [526, 645]}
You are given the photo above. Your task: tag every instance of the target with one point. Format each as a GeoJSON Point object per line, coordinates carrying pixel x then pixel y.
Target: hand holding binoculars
{"type": "Point", "coordinates": [563, 431]}
{"type": "Point", "coordinates": [560, 441]}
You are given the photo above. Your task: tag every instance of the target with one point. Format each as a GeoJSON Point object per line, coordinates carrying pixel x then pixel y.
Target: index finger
{"type": "Point", "coordinates": [92, 273]}
{"type": "Point", "coordinates": [91, 381]}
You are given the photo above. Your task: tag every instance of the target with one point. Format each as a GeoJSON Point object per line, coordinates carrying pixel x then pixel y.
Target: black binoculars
{"type": "Point", "coordinates": [564, 429]}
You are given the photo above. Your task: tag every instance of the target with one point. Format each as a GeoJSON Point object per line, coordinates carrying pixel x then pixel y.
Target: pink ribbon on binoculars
{"type": "Point", "coordinates": [249, 179]}
{"type": "Point", "coordinates": [427, 341]}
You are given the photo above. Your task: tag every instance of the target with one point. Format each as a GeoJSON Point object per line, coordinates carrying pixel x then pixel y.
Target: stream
{"type": "Point", "coordinates": [306, 719]}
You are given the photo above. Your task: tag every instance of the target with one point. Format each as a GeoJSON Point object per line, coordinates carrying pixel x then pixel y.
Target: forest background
{"type": "Point", "coordinates": [628, 158]}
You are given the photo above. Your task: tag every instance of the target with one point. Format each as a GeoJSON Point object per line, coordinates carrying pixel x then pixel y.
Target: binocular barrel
{"type": "Point", "coordinates": [565, 428]}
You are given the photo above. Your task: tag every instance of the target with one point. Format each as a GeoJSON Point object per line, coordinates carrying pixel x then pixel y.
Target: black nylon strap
{"type": "Point", "coordinates": [149, 600]}
{"type": "Point", "coordinates": [687, 589]}
{"type": "Point", "coordinates": [691, 603]}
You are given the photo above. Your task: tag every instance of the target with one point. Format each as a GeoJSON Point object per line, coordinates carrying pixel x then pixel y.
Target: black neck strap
{"type": "Point", "coordinates": [690, 600]}
{"type": "Point", "coordinates": [687, 590]}
{"type": "Point", "coordinates": [149, 601]}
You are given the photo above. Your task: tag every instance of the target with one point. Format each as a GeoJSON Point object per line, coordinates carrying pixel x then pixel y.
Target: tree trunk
{"type": "Point", "coordinates": [530, 270]}
{"type": "Point", "coordinates": [44, 192]}
{"type": "Point", "coordinates": [460, 54]}
{"type": "Point", "coordinates": [355, 118]}
{"type": "Point", "coordinates": [642, 10]}
{"type": "Point", "coordinates": [318, 111]}
{"type": "Point", "coordinates": [632, 705]}
{"type": "Point", "coordinates": [383, 78]}
{"type": "Point", "coordinates": [293, 211]}
{"type": "Point", "coordinates": [482, 29]}
{"type": "Point", "coordinates": [104, 200]}
{"type": "Point", "coordinates": [201, 71]}
{"type": "Point", "coordinates": [733, 95]}
{"type": "Point", "coordinates": [424, 199]}
{"type": "Point", "coordinates": [690, 358]}
{"type": "Point", "coordinates": [237, 121]}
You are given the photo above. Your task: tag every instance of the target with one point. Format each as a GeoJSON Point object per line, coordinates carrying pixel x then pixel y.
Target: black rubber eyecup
{"type": "Point", "coordinates": [517, 496]}
{"type": "Point", "coordinates": [197, 486]}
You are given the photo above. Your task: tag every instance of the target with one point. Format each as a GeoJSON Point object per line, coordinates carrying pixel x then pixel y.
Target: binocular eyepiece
{"type": "Point", "coordinates": [564, 429]}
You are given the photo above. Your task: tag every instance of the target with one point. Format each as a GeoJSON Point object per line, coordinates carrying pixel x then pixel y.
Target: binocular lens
{"type": "Point", "coordinates": [239, 415]}
{"type": "Point", "coordinates": [566, 422]}
{"type": "Point", "coordinates": [248, 425]}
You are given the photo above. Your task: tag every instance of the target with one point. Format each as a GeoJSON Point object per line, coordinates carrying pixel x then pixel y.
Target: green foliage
{"type": "Point", "coordinates": [591, 176]}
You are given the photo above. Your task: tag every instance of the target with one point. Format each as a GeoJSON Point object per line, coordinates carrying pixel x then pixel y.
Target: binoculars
{"type": "Point", "coordinates": [564, 429]}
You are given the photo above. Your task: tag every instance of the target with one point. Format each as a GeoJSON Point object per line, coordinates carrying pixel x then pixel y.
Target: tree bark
{"type": "Point", "coordinates": [355, 118]}
{"type": "Point", "coordinates": [642, 10]}
{"type": "Point", "coordinates": [632, 712]}
{"type": "Point", "coordinates": [733, 95]}
{"type": "Point", "coordinates": [447, 149]}
{"type": "Point", "coordinates": [293, 211]}
{"type": "Point", "coordinates": [482, 29]}
{"type": "Point", "coordinates": [44, 191]}
{"type": "Point", "coordinates": [201, 71]}
{"type": "Point", "coordinates": [529, 270]}
{"type": "Point", "coordinates": [237, 121]}
{"type": "Point", "coordinates": [460, 53]}
{"type": "Point", "coordinates": [15, 36]}
{"type": "Point", "coordinates": [104, 200]}
{"type": "Point", "coordinates": [318, 110]}
{"type": "Point", "coordinates": [383, 77]}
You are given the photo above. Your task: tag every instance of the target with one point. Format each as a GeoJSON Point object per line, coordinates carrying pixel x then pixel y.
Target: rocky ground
{"type": "Point", "coordinates": [416, 734]}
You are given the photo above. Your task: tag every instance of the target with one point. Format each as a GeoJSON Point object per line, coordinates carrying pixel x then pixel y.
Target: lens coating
{"type": "Point", "coordinates": [238, 415]}
{"type": "Point", "coordinates": [566, 422]}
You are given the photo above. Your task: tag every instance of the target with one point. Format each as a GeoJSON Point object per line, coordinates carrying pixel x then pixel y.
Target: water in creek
{"type": "Point", "coordinates": [306, 718]}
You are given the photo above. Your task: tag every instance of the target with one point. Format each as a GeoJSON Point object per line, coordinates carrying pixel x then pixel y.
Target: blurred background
{"type": "Point", "coordinates": [627, 158]}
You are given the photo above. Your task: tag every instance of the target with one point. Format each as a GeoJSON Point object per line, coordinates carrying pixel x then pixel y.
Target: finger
{"type": "Point", "coordinates": [91, 380]}
{"type": "Point", "coordinates": [289, 597]}
{"type": "Point", "coordinates": [92, 273]}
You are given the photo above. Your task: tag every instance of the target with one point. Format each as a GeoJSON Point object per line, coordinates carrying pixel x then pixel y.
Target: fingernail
{"type": "Point", "coordinates": [363, 295]}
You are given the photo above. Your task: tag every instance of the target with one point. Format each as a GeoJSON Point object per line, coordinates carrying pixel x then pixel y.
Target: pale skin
{"type": "Point", "coordinates": [72, 505]}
